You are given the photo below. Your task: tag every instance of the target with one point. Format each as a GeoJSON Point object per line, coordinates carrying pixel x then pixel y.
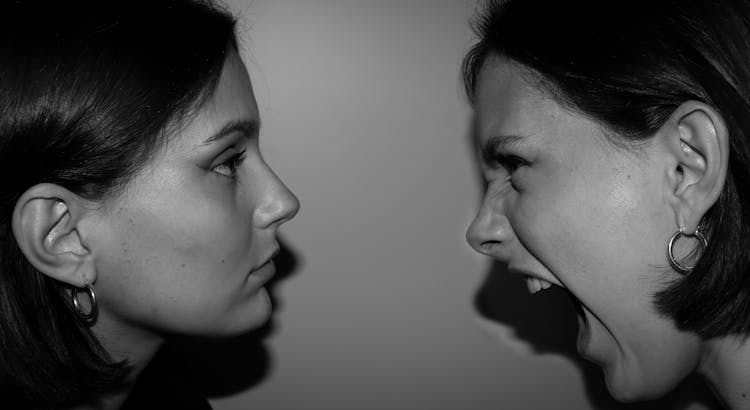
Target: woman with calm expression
{"type": "Point", "coordinates": [135, 200]}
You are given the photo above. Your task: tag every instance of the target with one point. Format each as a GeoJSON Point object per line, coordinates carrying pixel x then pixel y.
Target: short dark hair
{"type": "Point", "coordinates": [88, 92]}
{"type": "Point", "coordinates": [629, 64]}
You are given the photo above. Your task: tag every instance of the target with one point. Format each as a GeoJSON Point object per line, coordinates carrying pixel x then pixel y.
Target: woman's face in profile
{"type": "Point", "coordinates": [187, 247]}
{"type": "Point", "coordinates": [566, 207]}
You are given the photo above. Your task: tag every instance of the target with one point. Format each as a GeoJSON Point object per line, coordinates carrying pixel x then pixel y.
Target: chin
{"type": "Point", "coordinates": [624, 393]}
{"type": "Point", "coordinates": [630, 387]}
{"type": "Point", "coordinates": [258, 311]}
{"type": "Point", "coordinates": [253, 313]}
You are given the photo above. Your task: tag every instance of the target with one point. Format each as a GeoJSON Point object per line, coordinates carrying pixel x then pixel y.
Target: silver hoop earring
{"type": "Point", "coordinates": [670, 249]}
{"type": "Point", "coordinates": [90, 317]}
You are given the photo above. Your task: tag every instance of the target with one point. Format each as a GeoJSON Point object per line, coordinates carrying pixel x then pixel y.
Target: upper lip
{"type": "Point", "coordinates": [270, 257]}
{"type": "Point", "coordinates": [527, 272]}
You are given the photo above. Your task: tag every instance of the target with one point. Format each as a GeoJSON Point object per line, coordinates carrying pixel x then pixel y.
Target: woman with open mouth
{"type": "Point", "coordinates": [614, 138]}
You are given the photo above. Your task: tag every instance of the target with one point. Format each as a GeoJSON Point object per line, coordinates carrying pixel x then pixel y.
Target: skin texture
{"type": "Point", "coordinates": [563, 204]}
{"type": "Point", "coordinates": [186, 248]}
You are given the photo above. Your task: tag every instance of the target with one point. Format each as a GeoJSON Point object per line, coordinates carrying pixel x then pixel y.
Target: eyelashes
{"type": "Point", "coordinates": [228, 168]}
{"type": "Point", "coordinates": [494, 158]}
{"type": "Point", "coordinates": [510, 163]}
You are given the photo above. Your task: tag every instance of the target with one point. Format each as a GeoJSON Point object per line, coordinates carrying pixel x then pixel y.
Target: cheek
{"type": "Point", "coordinates": [181, 232]}
{"type": "Point", "coordinates": [604, 238]}
{"type": "Point", "coordinates": [601, 236]}
{"type": "Point", "coordinates": [173, 260]}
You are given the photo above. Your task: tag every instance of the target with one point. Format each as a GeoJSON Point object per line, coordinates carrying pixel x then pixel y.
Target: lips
{"type": "Point", "coordinates": [584, 336]}
{"type": "Point", "coordinates": [535, 283]}
{"type": "Point", "coordinates": [268, 260]}
{"type": "Point", "coordinates": [576, 303]}
{"type": "Point", "coordinates": [265, 272]}
{"type": "Point", "coordinates": [584, 333]}
{"type": "Point", "coordinates": [584, 341]}
{"type": "Point", "coordinates": [272, 255]}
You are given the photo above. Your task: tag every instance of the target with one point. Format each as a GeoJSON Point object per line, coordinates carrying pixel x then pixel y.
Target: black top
{"type": "Point", "coordinates": [166, 383]}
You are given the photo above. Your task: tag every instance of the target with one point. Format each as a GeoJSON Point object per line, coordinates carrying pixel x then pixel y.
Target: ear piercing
{"type": "Point", "coordinates": [88, 317]}
{"type": "Point", "coordinates": [683, 269]}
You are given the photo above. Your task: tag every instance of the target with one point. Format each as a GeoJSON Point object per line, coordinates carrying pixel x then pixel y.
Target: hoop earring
{"type": "Point", "coordinates": [90, 317]}
{"type": "Point", "coordinates": [670, 249]}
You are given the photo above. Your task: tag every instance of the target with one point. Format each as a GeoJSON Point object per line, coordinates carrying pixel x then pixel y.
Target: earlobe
{"type": "Point", "coordinates": [45, 225]}
{"type": "Point", "coordinates": [697, 139]}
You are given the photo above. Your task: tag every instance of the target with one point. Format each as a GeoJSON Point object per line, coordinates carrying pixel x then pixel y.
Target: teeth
{"type": "Point", "coordinates": [535, 285]}
{"type": "Point", "coordinates": [532, 284]}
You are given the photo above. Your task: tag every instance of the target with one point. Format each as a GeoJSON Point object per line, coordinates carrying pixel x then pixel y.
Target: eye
{"type": "Point", "coordinates": [510, 163]}
{"type": "Point", "coordinates": [228, 168]}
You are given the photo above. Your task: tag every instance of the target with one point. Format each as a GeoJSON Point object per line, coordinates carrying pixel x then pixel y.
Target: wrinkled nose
{"type": "Point", "coordinates": [490, 232]}
{"type": "Point", "coordinates": [279, 205]}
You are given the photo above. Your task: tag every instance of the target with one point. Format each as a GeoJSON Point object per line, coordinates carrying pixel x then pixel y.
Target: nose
{"type": "Point", "coordinates": [490, 232]}
{"type": "Point", "coordinates": [278, 205]}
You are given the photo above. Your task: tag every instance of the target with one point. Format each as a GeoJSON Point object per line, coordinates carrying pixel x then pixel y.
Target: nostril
{"type": "Point", "coordinates": [489, 246]}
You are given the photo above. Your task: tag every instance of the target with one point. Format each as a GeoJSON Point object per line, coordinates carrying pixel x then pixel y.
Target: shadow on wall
{"type": "Point", "coordinates": [223, 367]}
{"type": "Point", "coordinates": [547, 321]}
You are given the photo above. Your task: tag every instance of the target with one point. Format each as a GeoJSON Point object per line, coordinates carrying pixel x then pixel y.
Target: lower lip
{"type": "Point", "coordinates": [264, 273]}
{"type": "Point", "coordinates": [584, 332]}
{"type": "Point", "coordinates": [584, 346]}
{"type": "Point", "coordinates": [584, 335]}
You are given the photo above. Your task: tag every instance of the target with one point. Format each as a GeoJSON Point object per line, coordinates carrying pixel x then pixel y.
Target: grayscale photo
{"type": "Point", "coordinates": [375, 204]}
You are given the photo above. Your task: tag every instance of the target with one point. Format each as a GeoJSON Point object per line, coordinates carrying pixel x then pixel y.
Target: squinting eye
{"type": "Point", "coordinates": [509, 162]}
{"type": "Point", "coordinates": [513, 162]}
{"type": "Point", "coordinates": [228, 168]}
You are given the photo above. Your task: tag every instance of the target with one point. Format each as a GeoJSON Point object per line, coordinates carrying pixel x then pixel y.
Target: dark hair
{"type": "Point", "coordinates": [629, 64]}
{"type": "Point", "coordinates": [88, 92]}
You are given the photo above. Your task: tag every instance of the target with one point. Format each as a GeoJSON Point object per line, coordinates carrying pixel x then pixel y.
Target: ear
{"type": "Point", "coordinates": [697, 142]}
{"type": "Point", "coordinates": [45, 224]}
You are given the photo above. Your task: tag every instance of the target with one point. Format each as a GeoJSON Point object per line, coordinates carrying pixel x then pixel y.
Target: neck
{"type": "Point", "coordinates": [726, 366]}
{"type": "Point", "coordinates": [124, 342]}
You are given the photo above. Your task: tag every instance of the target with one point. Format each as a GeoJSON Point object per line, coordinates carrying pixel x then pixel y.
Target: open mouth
{"type": "Point", "coordinates": [536, 285]}
{"type": "Point", "coordinates": [577, 304]}
{"type": "Point", "coordinates": [584, 331]}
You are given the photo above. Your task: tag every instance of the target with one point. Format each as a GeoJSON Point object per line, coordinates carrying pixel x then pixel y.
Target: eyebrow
{"type": "Point", "coordinates": [490, 147]}
{"type": "Point", "coordinates": [248, 128]}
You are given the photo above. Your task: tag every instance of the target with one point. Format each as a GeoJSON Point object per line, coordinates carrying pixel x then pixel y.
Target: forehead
{"type": "Point", "coordinates": [509, 101]}
{"type": "Point", "coordinates": [234, 93]}
{"type": "Point", "coordinates": [232, 100]}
